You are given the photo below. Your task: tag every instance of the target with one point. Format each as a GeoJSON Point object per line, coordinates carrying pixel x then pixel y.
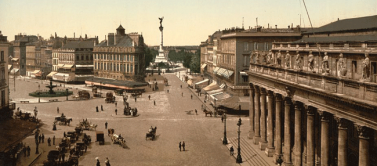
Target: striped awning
{"type": "Point", "coordinates": [67, 66]}
{"type": "Point", "coordinates": [203, 66]}
{"type": "Point", "coordinates": [201, 82]}
{"type": "Point", "coordinates": [227, 73]}
{"type": "Point", "coordinates": [51, 74]}
{"type": "Point", "coordinates": [216, 70]}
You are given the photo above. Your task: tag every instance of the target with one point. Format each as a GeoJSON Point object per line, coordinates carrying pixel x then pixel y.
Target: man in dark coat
{"type": "Point", "coordinates": [180, 145]}
{"type": "Point", "coordinates": [183, 145]}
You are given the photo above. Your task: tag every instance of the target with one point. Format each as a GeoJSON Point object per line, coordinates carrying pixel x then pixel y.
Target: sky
{"type": "Point", "coordinates": [186, 22]}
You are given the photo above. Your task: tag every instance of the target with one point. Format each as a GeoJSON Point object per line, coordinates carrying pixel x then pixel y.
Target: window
{"type": "Point", "coordinates": [87, 57]}
{"type": "Point", "coordinates": [131, 68]}
{"type": "Point", "coordinates": [246, 46]}
{"type": "Point", "coordinates": [245, 78]}
{"type": "Point", "coordinates": [245, 60]}
{"type": "Point", "coordinates": [3, 98]}
{"type": "Point", "coordinates": [128, 68]}
{"type": "Point", "coordinates": [82, 57]}
{"type": "Point", "coordinates": [3, 74]}
{"type": "Point", "coordinates": [95, 66]}
{"type": "Point", "coordinates": [2, 56]}
{"type": "Point", "coordinates": [91, 57]}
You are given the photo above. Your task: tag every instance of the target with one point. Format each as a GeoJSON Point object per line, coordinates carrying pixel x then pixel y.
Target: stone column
{"type": "Point", "coordinates": [270, 130]}
{"type": "Point", "coordinates": [256, 115]}
{"type": "Point", "coordinates": [298, 146]}
{"type": "Point", "coordinates": [278, 148]}
{"type": "Point", "coordinates": [287, 133]}
{"type": "Point", "coordinates": [325, 141]}
{"type": "Point", "coordinates": [363, 145]}
{"type": "Point", "coordinates": [251, 112]}
{"type": "Point", "coordinates": [263, 132]}
{"type": "Point", "coordinates": [310, 137]}
{"type": "Point", "coordinates": [342, 141]}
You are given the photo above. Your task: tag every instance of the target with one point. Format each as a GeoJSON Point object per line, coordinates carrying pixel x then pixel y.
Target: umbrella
{"type": "Point", "coordinates": [97, 158]}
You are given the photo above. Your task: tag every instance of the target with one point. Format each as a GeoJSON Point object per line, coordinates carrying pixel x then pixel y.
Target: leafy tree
{"type": "Point", "coordinates": [195, 63]}
{"type": "Point", "coordinates": [150, 54]}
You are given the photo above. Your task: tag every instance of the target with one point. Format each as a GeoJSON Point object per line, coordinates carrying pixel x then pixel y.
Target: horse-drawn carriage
{"type": "Point", "coordinates": [87, 139]}
{"type": "Point", "coordinates": [118, 139]}
{"type": "Point", "coordinates": [207, 112]}
{"type": "Point", "coordinates": [136, 94]}
{"type": "Point", "coordinates": [82, 95]}
{"type": "Point", "coordinates": [85, 125]}
{"type": "Point", "coordinates": [100, 137]}
{"type": "Point", "coordinates": [151, 133]}
{"type": "Point", "coordinates": [129, 111]}
{"type": "Point", "coordinates": [52, 156]}
{"type": "Point", "coordinates": [62, 120]}
{"type": "Point", "coordinates": [110, 98]}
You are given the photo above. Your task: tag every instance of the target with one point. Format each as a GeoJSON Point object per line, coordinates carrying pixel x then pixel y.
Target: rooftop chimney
{"type": "Point", "coordinates": [74, 35]}
{"type": "Point", "coordinates": [276, 26]}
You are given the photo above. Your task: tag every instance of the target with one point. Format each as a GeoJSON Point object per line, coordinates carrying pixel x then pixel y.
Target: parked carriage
{"type": "Point", "coordinates": [207, 112]}
{"type": "Point", "coordinates": [118, 139]}
{"type": "Point", "coordinates": [151, 134]}
{"type": "Point", "coordinates": [100, 137]}
{"type": "Point", "coordinates": [85, 125]}
{"type": "Point", "coordinates": [62, 120]}
{"type": "Point", "coordinates": [110, 98]}
{"type": "Point", "coordinates": [83, 94]}
{"type": "Point", "coordinates": [22, 115]}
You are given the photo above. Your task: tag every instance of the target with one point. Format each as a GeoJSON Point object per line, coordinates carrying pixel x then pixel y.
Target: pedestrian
{"type": "Point", "coordinates": [98, 163]}
{"type": "Point", "coordinates": [196, 112]}
{"type": "Point", "coordinates": [182, 94]}
{"type": "Point", "coordinates": [116, 105]}
{"type": "Point", "coordinates": [183, 145]}
{"type": "Point", "coordinates": [107, 162]}
{"type": "Point", "coordinates": [168, 90]}
{"type": "Point", "coordinates": [43, 138]}
{"type": "Point", "coordinates": [49, 141]}
{"type": "Point", "coordinates": [191, 96]}
{"type": "Point", "coordinates": [222, 119]}
{"type": "Point", "coordinates": [28, 150]}
{"type": "Point", "coordinates": [64, 134]}
{"type": "Point", "coordinates": [149, 96]}
{"type": "Point", "coordinates": [180, 145]}
{"type": "Point", "coordinates": [231, 151]}
{"type": "Point", "coordinates": [24, 150]}
{"type": "Point", "coordinates": [53, 140]}
{"type": "Point", "coordinates": [106, 125]}
{"type": "Point", "coordinates": [97, 108]}
{"type": "Point", "coordinates": [86, 147]}
{"type": "Point", "coordinates": [154, 101]}
{"type": "Point", "coordinates": [101, 107]}
{"type": "Point", "coordinates": [57, 110]}
{"type": "Point", "coordinates": [40, 138]}
{"type": "Point", "coordinates": [181, 86]}
{"type": "Point", "coordinates": [116, 112]}
{"type": "Point", "coordinates": [135, 99]}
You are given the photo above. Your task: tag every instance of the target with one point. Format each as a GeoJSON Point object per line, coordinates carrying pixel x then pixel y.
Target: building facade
{"type": "Point", "coordinates": [313, 101]}
{"type": "Point", "coordinates": [121, 57]}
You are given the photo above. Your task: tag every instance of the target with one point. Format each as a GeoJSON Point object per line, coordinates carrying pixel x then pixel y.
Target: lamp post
{"type": "Point", "coordinates": [66, 91]}
{"type": "Point", "coordinates": [39, 93]}
{"type": "Point", "coordinates": [64, 80]}
{"type": "Point", "coordinates": [239, 158]}
{"type": "Point", "coordinates": [225, 140]}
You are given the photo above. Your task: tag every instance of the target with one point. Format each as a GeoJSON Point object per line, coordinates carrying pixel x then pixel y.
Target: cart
{"type": "Point", "coordinates": [100, 137]}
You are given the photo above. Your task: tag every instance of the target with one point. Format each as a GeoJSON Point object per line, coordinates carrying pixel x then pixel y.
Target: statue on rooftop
{"type": "Point", "coordinates": [342, 71]}
{"type": "Point", "coordinates": [311, 61]}
{"type": "Point", "coordinates": [325, 64]}
{"type": "Point", "coordinates": [287, 60]}
{"type": "Point", "coordinates": [366, 68]}
{"type": "Point", "coordinates": [269, 57]}
{"type": "Point", "coordinates": [298, 61]}
{"type": "Point", "coordinates": [256, 57]}
{"type": "Point", "coordinates": [278, 59]}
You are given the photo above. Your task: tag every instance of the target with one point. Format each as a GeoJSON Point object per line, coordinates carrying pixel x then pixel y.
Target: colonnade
{"type": "Point", "coordinates": [285, 121]}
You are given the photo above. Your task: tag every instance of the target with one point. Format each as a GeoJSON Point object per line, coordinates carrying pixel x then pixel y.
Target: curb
{"type": "Point", "coordinates": [40, 153]}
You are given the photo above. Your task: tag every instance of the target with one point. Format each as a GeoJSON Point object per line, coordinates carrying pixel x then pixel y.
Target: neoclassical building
{"type": "Point", "coordinates": [120, 57]}
{"type": "Point", "coordinates": [313, 101]}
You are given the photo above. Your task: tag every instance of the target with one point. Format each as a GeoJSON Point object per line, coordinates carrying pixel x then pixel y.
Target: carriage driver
{"type": "Point", "coordinates": [63, 116]}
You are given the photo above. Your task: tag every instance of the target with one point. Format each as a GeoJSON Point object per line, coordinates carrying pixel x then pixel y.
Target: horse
{"type": "Point", "coordinates": [207, 112]}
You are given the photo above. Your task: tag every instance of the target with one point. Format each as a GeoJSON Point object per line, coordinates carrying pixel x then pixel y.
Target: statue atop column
{"type": "Point", "coordinates": [325, 64]}
{"type": "Point", "coordinates": [278, 59]}
{"type": "Point", "coordinates": [342, 70]}
{"type": "Point", "coordinates": [288, 60]}
{"type": "Point", "coordinates": [298, 61]}
{"type": "Point", "coordinates": [161, 18]}
{"type": "Point", "coordinates": [311, 61]}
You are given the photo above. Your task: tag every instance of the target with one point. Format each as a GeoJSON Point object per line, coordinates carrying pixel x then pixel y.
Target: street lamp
{"type": "Point", "coordinates": [225, 140]}
{"type": "Point", "coordinates": [39, 93]}
{"type": "Point", "coordinates": [239, 158]}
{"type": "Point", "coordinates": [66, 91]}
{"type": "Point", "coordinates": [64, 80]}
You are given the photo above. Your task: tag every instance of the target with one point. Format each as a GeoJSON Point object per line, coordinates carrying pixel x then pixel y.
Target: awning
{"type": "Point", "coordinates": [62, 75]}
{"type": "Point", "coordinates": [211, 86]}
{"type": "Point", "coordinates": [222, 96]}
{"type": "Point", "coordinates": [9, 67]}
{"type": "Point", "coordinates": [14, 70]}
{"type": "Point", "coordinates": [39, 74]}
{"type": "Point", "coordinates": [203, 66]}
{"type": "Point", "coordinates": [216, 70]}
{"type": "Point", "coordinates": [14, 59]}
{"type": "Point", "coordinates": [220, 72]}
{"type": "Point", "coordinates": [222, 86]}
{"type": "Point", "coordinates": [215, 91]}
{"type": "Point", "coordinates": [189, 82]}
{"type": "Point", "coordinates": [243, 73]}
{"type": "Point", "coordinates": [60, 65]}
{"type": "Point", "coordinates": [84, 66]}
{"type": "Point", "coordinates": [67, 66]}
{"type": "Point", "coordinates": [201, 82]}
{"type": "Point", "coordinates": [35, 72]}
{"type": "Point", "coordinates": [227, 73]}
{"type": "Point", "coordinates": [51, 74]}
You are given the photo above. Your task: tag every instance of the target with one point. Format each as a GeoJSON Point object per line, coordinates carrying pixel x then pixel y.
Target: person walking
{"type": "Point", "coordinates": [222, 119]}
{"type": "Point", "coordinates": [135, 98]}
{"type": "Point", "coordinates": [24, 150]}
{"type": "Point", "coordinates": [101, 107]}
{"type": "Point", "coordinates": [181, 86]}
{"type": "Point", "coordinates": [191, 97]}
{"type": "Point", "coordinates": [97, 108]}
{"type": "Point", "coordinates": [182, 94]}
{"type": "Point", "coordinates": [168, 90]}
{"type": "Point", "coordinates": [180, 146]}
{"type": "Point", "coordinates": [49, 141]}
{"type": "Point", "coordinates": [116, 105]}
{"type": "Point", "coordinates": [149, 96]}
{"type": "Point", "coordinates": [28, 151]}
{"type": "Point", "coordinates": [116, 111]}
{"type": "Point", "coordinates": [154, 101]}
{"type": "Point", "coordinates": [106, 125]}
{"type": "Point", "coordinates": [107, 162]}
{"type": "Point", "coordinates": [43, 138]}
{"type": "Point", "coordinates": [39, 138]}
{"type": "Point", "coordinates": [57, 110]}
{"type": "Point", "coordinates": [53, 140]}
{"type": "Point", "coordinates": [231, 151]}
{"type": "Point", "coordinates": [98, 163]}
{"type": "Point", "coordinates": [196, 112]}
{"type": "Point", "coordinates": [183, 145]}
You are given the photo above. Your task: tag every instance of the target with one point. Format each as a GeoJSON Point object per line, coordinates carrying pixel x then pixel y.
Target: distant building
{"type": "Point", "coordinates": [5, 107]}
{"type": "Point", "coordinates": [120, 57]}
{"type": "Point", "coordinates": [19, 48]}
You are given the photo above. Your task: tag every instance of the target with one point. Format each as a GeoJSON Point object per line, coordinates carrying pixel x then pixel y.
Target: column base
{"type": "Point", "coordinates": [256, 140]}
{"type": "Point", "coordinates": [276, 157]}
{"type": "Point", "coordinates": [262, 145]}
{"type": "Point", "coordinates": [251, 135]}
{"type": "Point", "coordinates": [270, 152]}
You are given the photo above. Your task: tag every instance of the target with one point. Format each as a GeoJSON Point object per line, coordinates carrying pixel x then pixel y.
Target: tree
{"type": "Point", "coordinates": [195, 64]}
{"type": "Point", "coordinates": [149, 55]}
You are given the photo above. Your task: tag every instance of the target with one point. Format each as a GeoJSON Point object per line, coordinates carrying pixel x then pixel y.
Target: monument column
{"type": "Point", "coordinates": [325, 141]}
{"type": "Point", "coordinates": [363, 145]}
{"type": "Point", "coordinates": [256, 115]}
{"type": "Point", "coordinates": [263, 132]}
{"type": "Point", "coordinates": [310, 136]}
{"type": "Point", "coordinates": [287, 132]}
{"type": "Point", "coordinates": [342, 141]}
{"type": "Point", "coordinates": [278, 107]}
{"type": "Point", "coordinates": [251, 112]}
{"type": "Point", "coordinates": [270, 130]}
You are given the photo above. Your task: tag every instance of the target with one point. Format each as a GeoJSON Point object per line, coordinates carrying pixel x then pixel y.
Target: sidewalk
{"type": "Point", "coordinates": [251, 154]}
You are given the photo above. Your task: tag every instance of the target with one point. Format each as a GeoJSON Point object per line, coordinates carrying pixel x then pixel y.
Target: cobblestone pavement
{"type": "Point", "coordinates": [171, 115]}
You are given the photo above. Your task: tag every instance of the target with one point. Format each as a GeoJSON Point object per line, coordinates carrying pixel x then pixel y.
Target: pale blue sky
{"type": "Point", "coordinates": [187, 22]}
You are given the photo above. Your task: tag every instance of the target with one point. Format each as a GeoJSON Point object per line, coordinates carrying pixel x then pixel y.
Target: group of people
{"type": "Point", "coordinates": [107, 162]}
{"type": "Point", "coordinates": [182, 145]}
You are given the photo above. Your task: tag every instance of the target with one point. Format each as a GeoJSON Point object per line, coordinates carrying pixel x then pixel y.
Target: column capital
{"type": "Point", "coordinates": [278, 97]}
{"type": "Point", "coordinates": [263, 91]}
{"type": "Point", "coordinates": [342, 123]}
{"type": "Point", "coordinates": [364, 132]}
{"type": "Point", "coordinates": [310, 110]}
{"type": "Point", "coordinates": [251, 85]}
{"type": "Point", "coordinates": [256, 89]}
{"type": "Point", "coordinates": [325, 116]}
{"type": "Point", "coordinates": [288, 101]}
{"type": "Point", "coordinates": [298, 105]}
{"type": "Point", "coordinates": [270, 93]}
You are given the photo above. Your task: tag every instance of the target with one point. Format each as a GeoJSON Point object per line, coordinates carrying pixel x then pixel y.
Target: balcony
{"type": "Point", "coordinates": [342, 87]}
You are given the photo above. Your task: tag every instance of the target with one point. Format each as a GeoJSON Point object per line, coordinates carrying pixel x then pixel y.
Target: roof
{"type": "Point", "coordinates": [131, 84]}
{"type": "Point", "coordinates": [120, 27]}
{"type": "Point", "coordinates": [125, 41]}
{"type": "Point", "coordinates": [360, 23]}
{"type": "Point", "coordinates": [79, 44]}
{"type": "Point", "coordinates": [334, 39]}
